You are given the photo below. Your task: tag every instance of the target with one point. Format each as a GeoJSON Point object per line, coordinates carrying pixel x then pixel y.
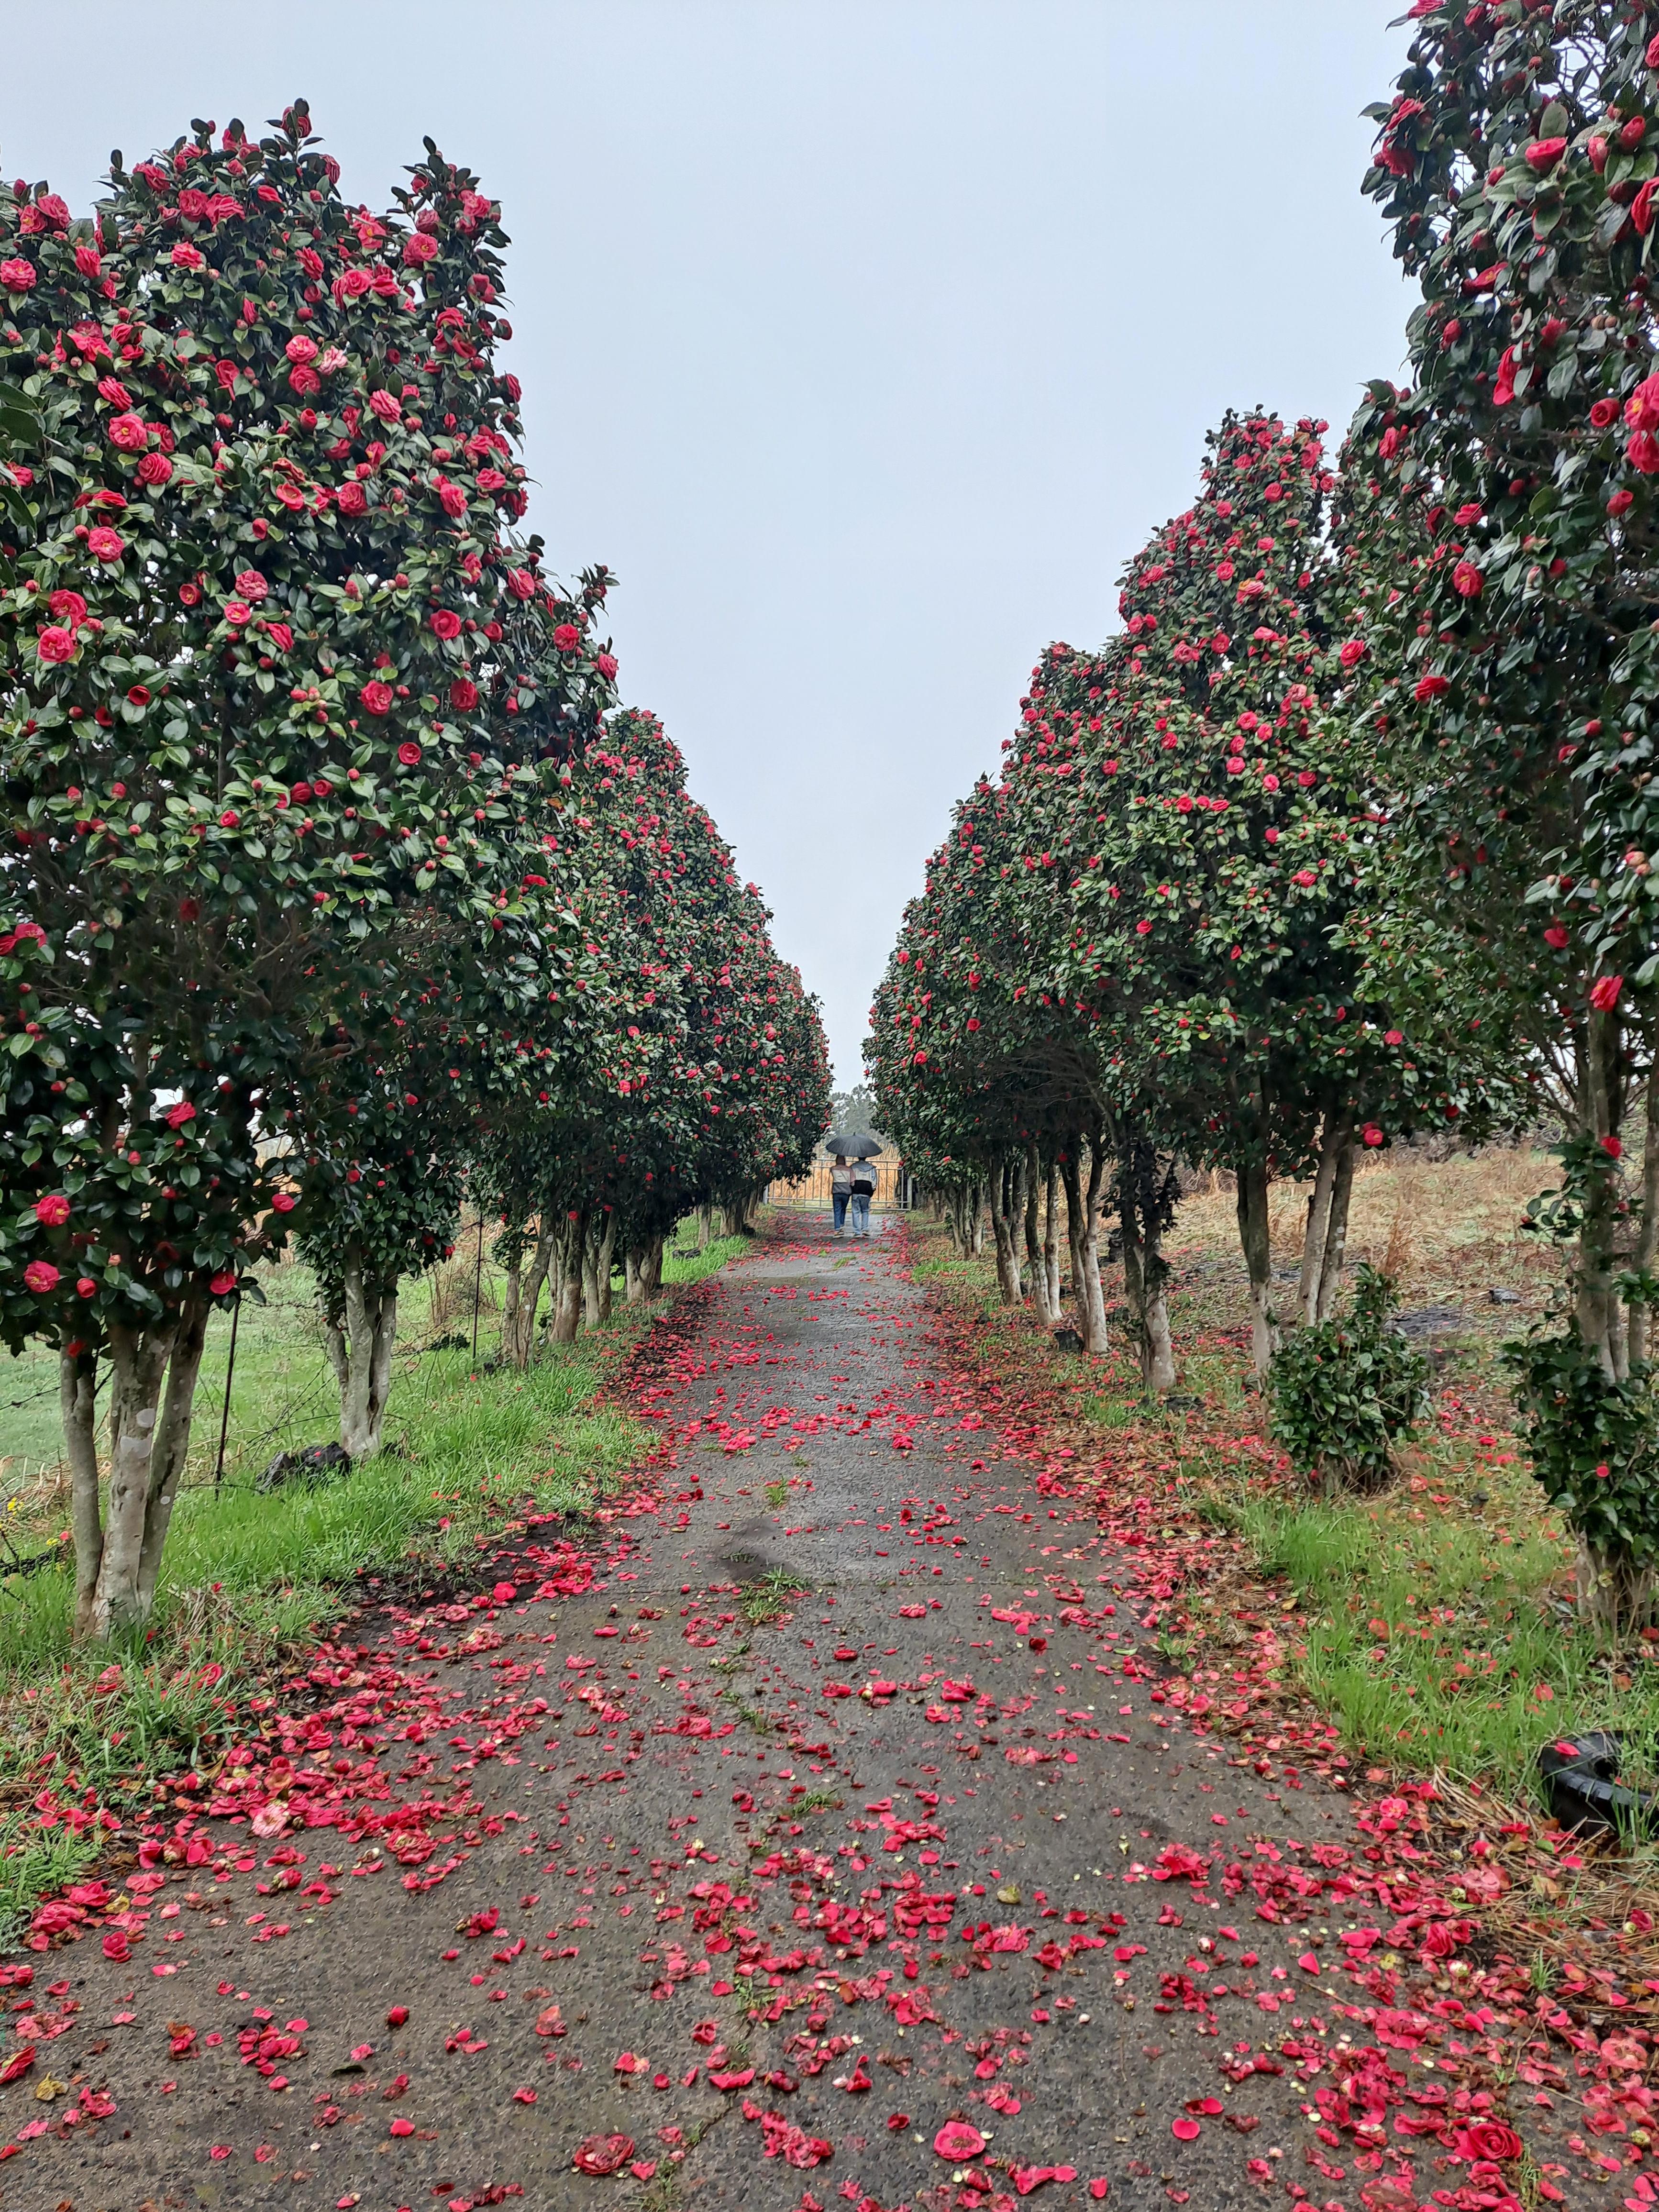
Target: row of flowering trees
{"type": "Point", "coordinates": [331, 864]}
{"type": "Point", "coordinates": [1353, 827]}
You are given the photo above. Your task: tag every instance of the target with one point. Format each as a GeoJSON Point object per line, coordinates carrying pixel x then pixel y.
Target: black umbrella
{"type": "Point", "coordinates": [858, 1146]}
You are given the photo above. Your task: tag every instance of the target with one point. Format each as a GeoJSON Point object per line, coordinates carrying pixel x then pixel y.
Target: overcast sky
{"type": "Point", "coordinates": [863, 341]}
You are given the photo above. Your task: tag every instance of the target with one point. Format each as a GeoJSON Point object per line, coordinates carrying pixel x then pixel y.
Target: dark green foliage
{"type": "Point", "coordinates": [1345, 1392]}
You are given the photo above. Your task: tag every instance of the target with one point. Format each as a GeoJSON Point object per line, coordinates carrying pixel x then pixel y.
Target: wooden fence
{"type": "Point", "coordinates": [813, 1188]}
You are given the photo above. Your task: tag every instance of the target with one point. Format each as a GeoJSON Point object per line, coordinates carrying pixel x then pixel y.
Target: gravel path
{"type": "Point", "coordinates": [776, 1900]}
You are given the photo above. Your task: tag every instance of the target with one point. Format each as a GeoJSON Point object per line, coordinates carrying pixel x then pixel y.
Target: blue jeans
{"type": "Point", "coordinates": [861, 1213]}
{"type": "Point", "coordinates": [839, 1200]}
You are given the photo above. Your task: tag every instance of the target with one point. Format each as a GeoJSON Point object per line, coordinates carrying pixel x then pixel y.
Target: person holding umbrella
{"type": "Point", "coordinates": [840, 1190]}
{"type": "Point", "coordinates": [864, 1189]}
{"type": "Point", "coordinates": [851, 1180]}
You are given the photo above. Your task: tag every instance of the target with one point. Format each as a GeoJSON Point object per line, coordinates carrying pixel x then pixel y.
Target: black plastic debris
{"type": "Point", "coordinates": [1580, 1783]}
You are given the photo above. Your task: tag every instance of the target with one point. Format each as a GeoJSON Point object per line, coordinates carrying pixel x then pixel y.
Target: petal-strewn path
{"type": "Point", "coordinates": [534, 1857]}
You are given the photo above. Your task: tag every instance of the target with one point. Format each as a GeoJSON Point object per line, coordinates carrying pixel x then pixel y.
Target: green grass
{"type": "Point", "coordinates": [249, 1574]}
{"type": "Point", "coordinates": [1439, 1641]}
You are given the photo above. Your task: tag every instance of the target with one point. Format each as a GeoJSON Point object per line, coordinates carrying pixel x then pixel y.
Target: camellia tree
{"type": "Point", "coordinates": [682, 1064]}
{"type": "Point", "coordinates": [1501, 515]}
{"type": "Point", "coordinates": [241, 735]}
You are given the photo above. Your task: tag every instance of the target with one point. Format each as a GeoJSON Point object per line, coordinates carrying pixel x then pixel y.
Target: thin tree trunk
{"type": "Point", "coordinates": [1051, 1237]}
{"type": "Point", "coordinates": [519, 1339]}
{"type": "Point", "coordinates": [1336, 1234]}
{"type": "Point", "coordinates": [1647, 1238]}
{"type": "Point", "coordinates": [1600, 1320]}
{"type": "Point", "coordinates": [1335, 1137]}
{"type": "Point", "coordinates": [138, 1361]}
{"type": "Point", "coordinates": [1083, 1232]}
{"type": "Point", "coordinates": [633, 1273]}
{"type": "Point", "coordinates": [1005, 1194]}
{"type": "Point", "coordinates": [77, 1396]}
{"type": "Point", "coordinates": [653, 1252]}
{"type": "Point", "coordinates": [1046, 1307]}
{"type": "Point", "coordinates": [371, 1328]}
{"type": "Point", "coordinates": [705, 1226]}
{"type": "Point", "coordinates": [511, 1299]}
{"type": "Point", "coordinates": [596, 1281]}
{"type": "Point", "coordinates": [567, 1309]}
{"type": "Point", "coordinates": [1254, 1236]}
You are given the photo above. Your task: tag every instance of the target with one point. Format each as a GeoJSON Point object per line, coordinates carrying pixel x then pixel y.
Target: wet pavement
{"type": "Point", "coordinates": [834, 1842]}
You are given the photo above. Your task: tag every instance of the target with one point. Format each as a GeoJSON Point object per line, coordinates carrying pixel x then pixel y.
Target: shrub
{"type": "Point", "coordinates": [1346, 1391]}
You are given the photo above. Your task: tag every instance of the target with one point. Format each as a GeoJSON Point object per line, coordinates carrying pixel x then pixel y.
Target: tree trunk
{"type": "Point", "coordinates": [976, 1218]}
{"type": "Point", "coordinates": [1144, 1273]}
{"type": "Point", "coordinates": [633, 1273]}
{"type": "Point", "coordinates": [1082, 1229]}
{"type": "Point", "coordinates": [77, 1397]}
{"type": "Point", "coordinates": [1044, 1304]}
{"type": "Point", "coordinates": [1052, 1195]}
{"type": "Point", "coordinates": [1254, 1236]}
{"type": "Point", "coordinates": [147, 1457]}
{"type": "Point", "coordinates": [705, 1226]}
{"type": "Point", "coordinates": [1615, 1593]}
{"type": "Point", "coordinates": [572, 1242]}
{"type": "Point", "coordinates": [518, 1326]}
{"type": "Point", "coordinates": [652, 1270]}
{"type": "Point", "coordinates": [1007, 1192]}
{"type": "Point", "coordinates": [361, 1357]}
{"type": "Point", "coordinates": [1336, 1235]}
{"type": "Point", "coordinates": [1336, 1139]}
{"type": "Point", "coordinates": [1598, 1309]}
{"type": "Point", "coordinates": [596, 1274]}
{"type": "Point", "coordinates": [1647, 1238]}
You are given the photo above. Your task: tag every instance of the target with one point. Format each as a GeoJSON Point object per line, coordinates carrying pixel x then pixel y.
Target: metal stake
{"type": "Point", "coordinates": [230, 1369]}
{"type": "Point", "coordinates": [477, 1290]}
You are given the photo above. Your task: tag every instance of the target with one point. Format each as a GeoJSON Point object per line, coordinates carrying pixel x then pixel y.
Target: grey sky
{"type": "Point", "coordinates": [863, 341]}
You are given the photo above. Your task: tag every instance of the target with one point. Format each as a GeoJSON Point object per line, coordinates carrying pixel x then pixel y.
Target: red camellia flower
{"type": "Point", "coordinates": [53, 1211]}
{"type": "Point", "coordinates": [607, 665]}
{"type": "Point", "coordinates": [105, 544]}
{"type": "Point", "coordinates": [129, 433]}
{"type": "Point", "coordinates": [420, 249]}
{"type": "Point", "coordinates": [351, 499]}
{"type": "Point", "coordinates": [463, 695]}
{"type": "Point", "coordinates": [521, 583]}
{"type": "Point", "coordinates": [567, 637]}
{"type": "Point", "coordinates": [1603, 412]}
{"type": "Point", "coordinates": [1604, 993]}
{"type": "Point", "coordinates": [377, 697]}
{"type": "Point", "coordinates": [602, 2154]}
{"type": "Point", "coordinates": [187, 256]}
{"type": "Point", "coordinates": [958, 2141]}
{"type": "Point", "coordinates": [1642, 408]}
{"type": "Point", "coordinates": [155, 470]}
{"type": "Point", "coordinates": [285, 1201]}
{"type": "Point", "coordinates": [1641, 208]}
{"type": "Point", "coordinates": [222, 1284]}
{"type": "Point", "coordinates": [238, 611]}
{"type": "Point", "coordinates": [1353, 653]}
{"type": "Point", "coordinates": [18, 275]}
{"type": "Point", "coordinates": [1431, 687]}
{"type": "Point", "coordinates": [1370, 1134]}
{"type": "Point", "coordinates": [1544, 153]}
{"type": "Point", "coordinates": [86, 1288]}
{"type": "Point", "coordinates": [251, 585]}
{"type": "Point", "coordinates": [1620, 501]}
{"type": "Point", "coordinates": [1467, 581]}
{"type": "Point", "coordinates": [409, 753]}
{"type": "Point", "coordinates": [1490, 2139]}
{"type": "Point", "coordinates": [1394, 1036]}
{"type": "Point", "coordinates": [382, 404]}
{"type": "Point", "coordinates": [281, 636]}
{"type": "Point", "coordinates": [179, 1114]}
{"type": "Point", "coordinates": [138, 695]}
{"type": "Point", "coordinates": [55, 645]}
{"type": "Point", "coordinates": [1614, 1149]}
{"type": "Point", "coordinates": [300, 349]}
{"type": "Point", "coordinates": [445, 622]}
{"type": "Point", "coordinates": [1556, 937]}
{"type": "Point", "coordinates": [1643, 452]}
{"type": "Point", "coordinates": [40, 1276]}
{"type": "Point", "coordinates": [67, 607]}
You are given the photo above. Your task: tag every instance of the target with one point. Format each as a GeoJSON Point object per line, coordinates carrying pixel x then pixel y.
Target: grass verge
{"type": "Point", "coordinates": [250, 1576]}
